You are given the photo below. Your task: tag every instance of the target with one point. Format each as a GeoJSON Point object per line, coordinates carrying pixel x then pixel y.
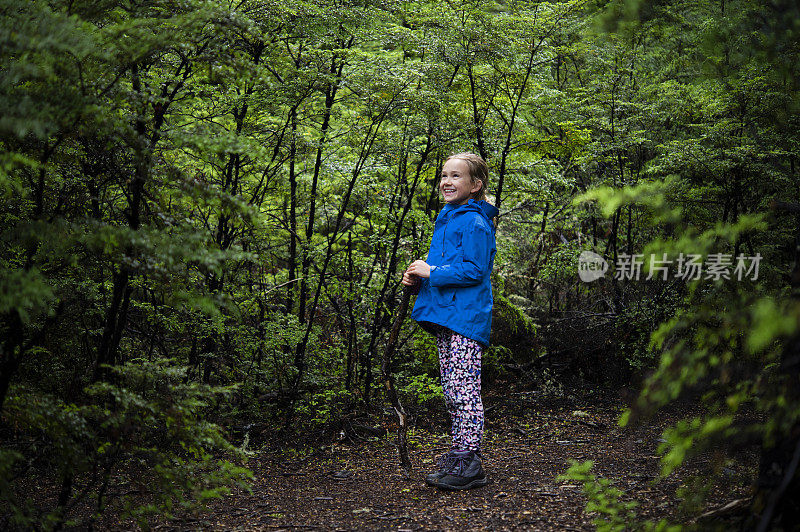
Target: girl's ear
{"type": "Point", "coordinates": [476, 186]}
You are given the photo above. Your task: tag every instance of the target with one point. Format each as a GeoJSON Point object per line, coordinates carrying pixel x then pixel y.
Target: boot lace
{"type": "Point", "coordinates": [453, 464]}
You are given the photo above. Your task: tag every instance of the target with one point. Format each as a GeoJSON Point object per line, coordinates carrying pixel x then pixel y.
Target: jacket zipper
{"type": "Point", "coordinates": [444, 233]}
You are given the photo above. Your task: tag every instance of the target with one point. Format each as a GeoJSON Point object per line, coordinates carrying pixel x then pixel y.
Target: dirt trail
{"type": "Point", "coordinates": [528, 443]}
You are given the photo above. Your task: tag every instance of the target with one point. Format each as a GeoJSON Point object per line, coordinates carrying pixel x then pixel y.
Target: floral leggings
{"type": "Point", "coordinates": [460, 365]}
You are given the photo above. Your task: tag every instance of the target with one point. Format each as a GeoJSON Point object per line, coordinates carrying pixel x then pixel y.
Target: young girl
{"type": "Point", "coordinates": [455, 304]}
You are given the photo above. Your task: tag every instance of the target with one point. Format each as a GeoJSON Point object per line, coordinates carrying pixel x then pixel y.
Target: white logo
{"type": "Point", "coordinates": [591, 266]}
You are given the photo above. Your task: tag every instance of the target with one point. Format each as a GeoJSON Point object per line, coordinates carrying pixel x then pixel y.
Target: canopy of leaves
{"type": "Point", "coordinates": [206, 207]}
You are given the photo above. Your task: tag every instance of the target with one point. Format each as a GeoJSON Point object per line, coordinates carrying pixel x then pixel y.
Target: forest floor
{"type": "Point", "coordinates": [357, 484]}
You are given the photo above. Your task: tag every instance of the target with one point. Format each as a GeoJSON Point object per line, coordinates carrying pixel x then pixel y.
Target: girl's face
{"type": "Point", "coordinates": [456, 184]}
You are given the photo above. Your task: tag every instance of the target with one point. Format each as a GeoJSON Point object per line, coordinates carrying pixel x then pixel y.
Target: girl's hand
{"type": "Point", "coordinates": [409, 280]}
{"type": "Point", "coordinates": [418, 268]}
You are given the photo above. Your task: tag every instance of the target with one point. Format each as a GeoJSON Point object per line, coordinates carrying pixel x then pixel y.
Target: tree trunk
{"type": "Point", "coordinates": [9, 358]}
{"type": "Point", "coordinates": [390, 274]}
{"type": "Point", "coordinates": [293, 221]}
{"type": "Point", "coordinates": [476, 118]}
{"type": "Point", "coordinates": [106, 351]}
{"type": "Point", "coordinates": [330, 98]}
{"type": "Point", "coordinates": [387, 376]}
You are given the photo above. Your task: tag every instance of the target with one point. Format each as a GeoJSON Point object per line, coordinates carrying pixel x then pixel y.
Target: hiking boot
{"type": "Point", "coordinates": [465, 471]}
{"type": "Point", "coordinates": [443, 463]}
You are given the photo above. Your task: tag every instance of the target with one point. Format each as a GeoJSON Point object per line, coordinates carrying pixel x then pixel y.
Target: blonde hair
{"type": "Point", "coordinates": [478, 172]}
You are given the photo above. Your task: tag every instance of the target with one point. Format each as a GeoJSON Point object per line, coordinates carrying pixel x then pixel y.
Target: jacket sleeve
{"type": "Point", "coordinates": [477, 244]}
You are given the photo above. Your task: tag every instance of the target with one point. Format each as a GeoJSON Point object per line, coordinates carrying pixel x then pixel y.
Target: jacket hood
{"type": "Point", "coordinates": [486, 209]}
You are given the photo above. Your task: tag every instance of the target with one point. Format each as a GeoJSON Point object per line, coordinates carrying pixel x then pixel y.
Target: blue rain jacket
{"type": "Point", "coordinates": [458, 294]}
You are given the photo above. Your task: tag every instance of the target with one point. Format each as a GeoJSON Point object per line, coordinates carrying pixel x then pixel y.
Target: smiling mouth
{"type": "Point", "coordinates": [448, 190]}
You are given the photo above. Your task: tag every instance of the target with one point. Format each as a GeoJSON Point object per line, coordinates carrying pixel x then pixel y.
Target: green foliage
{"type": "Point", "coordinates": [426, 355]}
{"type": "Point", "coordinates": [703, 183]}
{"type": "Point", "coordinates": [653, 194]}
{"type": "Point", "coordinates": [237, 191]}
{"type": "Point", "coordinates": [514, 337]}
{"type": "Point", "coordinates": [326, 407]}
{"type": "Point", "coordinates": [25, 292]}
{"type": "Point", "coordinates": [606, 500]}
{"type": "Point", "coordinates": [421, 389]}
{"type": "Point", "coordinates": [634, 327]}
{"type": "Point", "coordinates": [147, 433]}
{"type": "Point", "coordinates": [516, 320]}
